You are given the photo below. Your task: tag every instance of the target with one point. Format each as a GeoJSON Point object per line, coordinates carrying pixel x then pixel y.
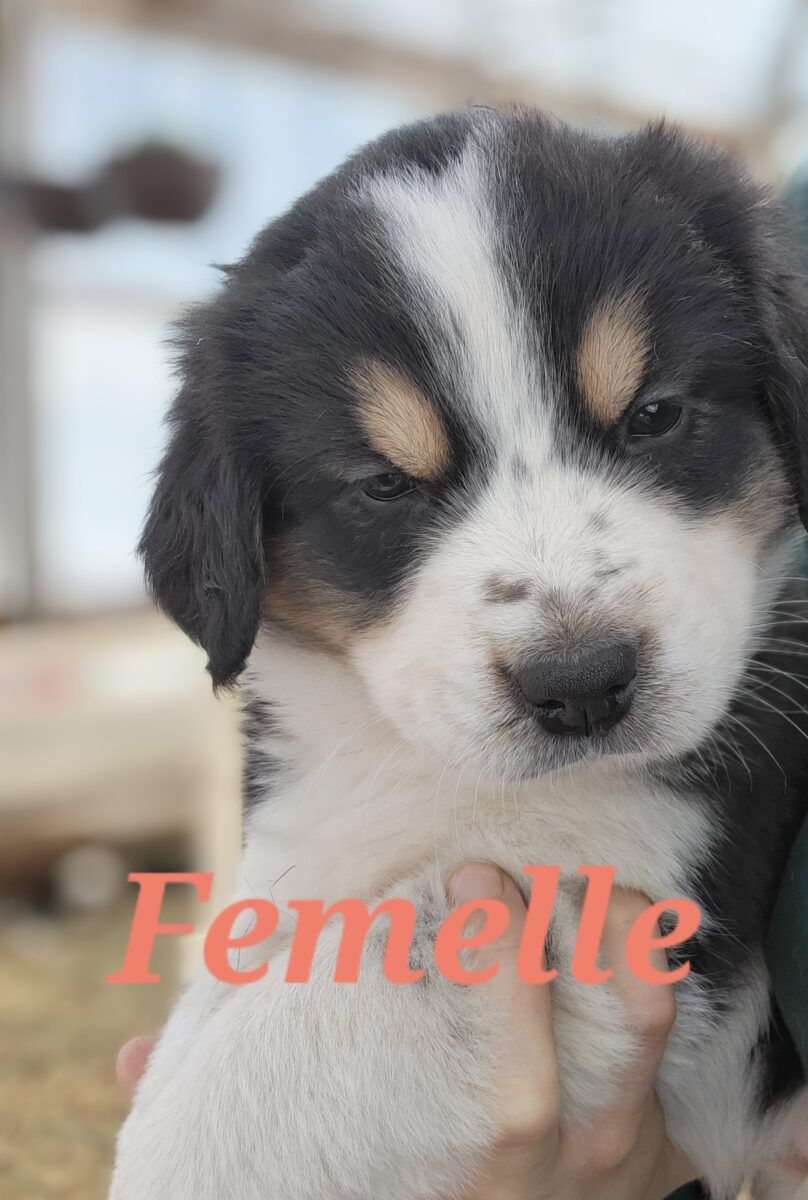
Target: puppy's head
{"type": "Point", "coordinates": [511, 419]}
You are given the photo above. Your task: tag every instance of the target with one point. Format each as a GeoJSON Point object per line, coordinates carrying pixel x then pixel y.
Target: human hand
{"type": "Point", "coordinates": [626, 1155]}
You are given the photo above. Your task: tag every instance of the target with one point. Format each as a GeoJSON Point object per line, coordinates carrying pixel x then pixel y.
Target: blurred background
{"type": "Point", "coordinates": [140, 142]}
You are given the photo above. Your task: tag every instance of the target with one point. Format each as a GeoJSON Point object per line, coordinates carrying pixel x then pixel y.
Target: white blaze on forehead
{"type": "Point", "coordinates": [445, 234]}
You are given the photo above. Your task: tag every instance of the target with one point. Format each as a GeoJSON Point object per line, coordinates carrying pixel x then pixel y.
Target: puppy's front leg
{"type": "Point", "coordinates": [365, 1091]}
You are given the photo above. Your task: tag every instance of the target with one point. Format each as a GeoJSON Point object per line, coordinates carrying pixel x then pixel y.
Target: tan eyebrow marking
{"type": "Point", "coordinates": [400, 421]}
{"type": "Point", "coordinates": [611, 356]}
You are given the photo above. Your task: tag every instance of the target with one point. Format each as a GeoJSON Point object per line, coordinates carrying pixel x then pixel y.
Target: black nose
{"type": "Point", "coordinates": [582, 691]}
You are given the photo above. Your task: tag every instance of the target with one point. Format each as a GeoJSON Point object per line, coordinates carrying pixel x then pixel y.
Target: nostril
{"type": "Point", "coordinates": [617, 689]}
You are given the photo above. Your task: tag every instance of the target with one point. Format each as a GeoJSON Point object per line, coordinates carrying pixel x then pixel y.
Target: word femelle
{"type": "Point", "coordinates": [643, 938]}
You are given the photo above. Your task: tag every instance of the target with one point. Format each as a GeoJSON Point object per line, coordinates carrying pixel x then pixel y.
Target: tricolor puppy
{"type": "Point", "coordinates": [483, 481]}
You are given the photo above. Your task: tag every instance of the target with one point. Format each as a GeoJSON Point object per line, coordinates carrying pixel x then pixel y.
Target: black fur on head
{"type": "Point", "coordinates": [265, 366]}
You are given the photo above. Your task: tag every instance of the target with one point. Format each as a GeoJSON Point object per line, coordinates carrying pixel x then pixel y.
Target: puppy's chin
{"type": "Point", "coordinates": [564, 754]}
{"type": "Point", "coordinates": [640, 743]}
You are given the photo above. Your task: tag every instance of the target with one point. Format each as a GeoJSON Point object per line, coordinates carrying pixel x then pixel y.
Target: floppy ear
{"type": "Point", "coordinates": [785, 317]}
{"type": "Point", "coordinates": [753, 237]}
{"type": "Point", "coordinates": [202, 540]}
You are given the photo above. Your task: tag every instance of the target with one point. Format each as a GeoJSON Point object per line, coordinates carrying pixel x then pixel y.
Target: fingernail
{"type": "Point", "coordinates": [475, 881]}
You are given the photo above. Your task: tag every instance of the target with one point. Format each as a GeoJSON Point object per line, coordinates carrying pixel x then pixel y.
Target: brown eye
{"type": "Point", "coordinates": [390, 486]}
{"type": "Point", "coordinates": [654, 419]}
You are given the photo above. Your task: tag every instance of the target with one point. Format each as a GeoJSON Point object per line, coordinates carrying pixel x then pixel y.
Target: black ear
{"type": "Point", "coordinates": [202, 539]}
{"type": "Point", "coordinates": [785, 315]}
{"type": "Point", "coordinates": [753, 238]}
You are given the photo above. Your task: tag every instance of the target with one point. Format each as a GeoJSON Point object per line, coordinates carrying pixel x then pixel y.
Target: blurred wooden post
{"type": "Point", "coordinates": [17, 556]}
{"type": "Point", "coordinates": [216, 831]}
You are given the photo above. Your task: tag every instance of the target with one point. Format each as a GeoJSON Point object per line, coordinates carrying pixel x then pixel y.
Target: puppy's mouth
{"type": "Point", "coordinates": [564, 749]}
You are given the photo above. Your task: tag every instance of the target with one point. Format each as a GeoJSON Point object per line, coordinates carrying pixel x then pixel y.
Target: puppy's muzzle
{"type": "Point", "coordinates": [582, 691]}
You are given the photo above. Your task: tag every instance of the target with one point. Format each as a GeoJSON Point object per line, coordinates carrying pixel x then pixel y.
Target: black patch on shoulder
{"type": "Point", "coordinates": [782, 1072]}
{"type": "Point", "coordinates": [260, 767]}
{"type": "Point", "coordinates": [754, 775]}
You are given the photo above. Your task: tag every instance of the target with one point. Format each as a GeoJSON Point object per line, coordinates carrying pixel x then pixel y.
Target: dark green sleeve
{"type": "Point", "coordinates": [787, 947]}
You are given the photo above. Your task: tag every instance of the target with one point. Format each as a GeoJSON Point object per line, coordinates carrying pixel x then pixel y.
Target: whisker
{"type": "Point", "coordinates": [779, 712]}
{"type": "Point", "coordinates": [801, 653]}
{"type": "Point", "coordinates": [435, 822]}
{"type": "Point", "coordinates": [369, 791]}
{"type": "Point", "coordinates": [760, 742]}
{"type": "Point", "coordinates": [454, 808]}
{"type": "Point", "coordinates": [474, 805]}
{"type": "Point", "coordinates": [377, 720]}
{"type": "Point", "coordinates": [773, 670]}
{"type": "Point", "coordinates": [733, 744]}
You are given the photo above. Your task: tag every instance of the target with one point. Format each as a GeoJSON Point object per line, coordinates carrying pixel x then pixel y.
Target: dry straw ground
{"type": "Point", "coordinates": [60, 1028]}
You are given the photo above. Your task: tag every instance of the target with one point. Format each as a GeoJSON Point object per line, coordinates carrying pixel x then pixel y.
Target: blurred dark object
{"type": "Point", "coordinates": [51, 206]}
{"type": "Point", "coordinates": [160, 183]}
{"type": "Point", "coordinates": [155, 182]}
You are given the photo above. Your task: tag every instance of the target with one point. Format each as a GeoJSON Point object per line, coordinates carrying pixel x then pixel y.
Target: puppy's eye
{"type": "Point", "coordinates": [654, 419]}
{"type": "Point", "coordinates": [390, 486]}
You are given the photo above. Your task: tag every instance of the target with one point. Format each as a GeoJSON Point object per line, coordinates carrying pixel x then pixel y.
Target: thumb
{"type": "Point", "coordinates": [132, 1060]}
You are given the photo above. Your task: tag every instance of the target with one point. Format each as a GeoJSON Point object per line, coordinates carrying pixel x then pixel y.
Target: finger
{"type": "Point", "coordinates": [131, 1064]}
{"type": "Point", "coordinates": [650, 1009]}
{"type": "Point", "coordinates": [633, 1127]}
{"type": "Point", "coordinates": [528, 1075]}
{"type": "Point", "coordinates": [631, 1134]}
